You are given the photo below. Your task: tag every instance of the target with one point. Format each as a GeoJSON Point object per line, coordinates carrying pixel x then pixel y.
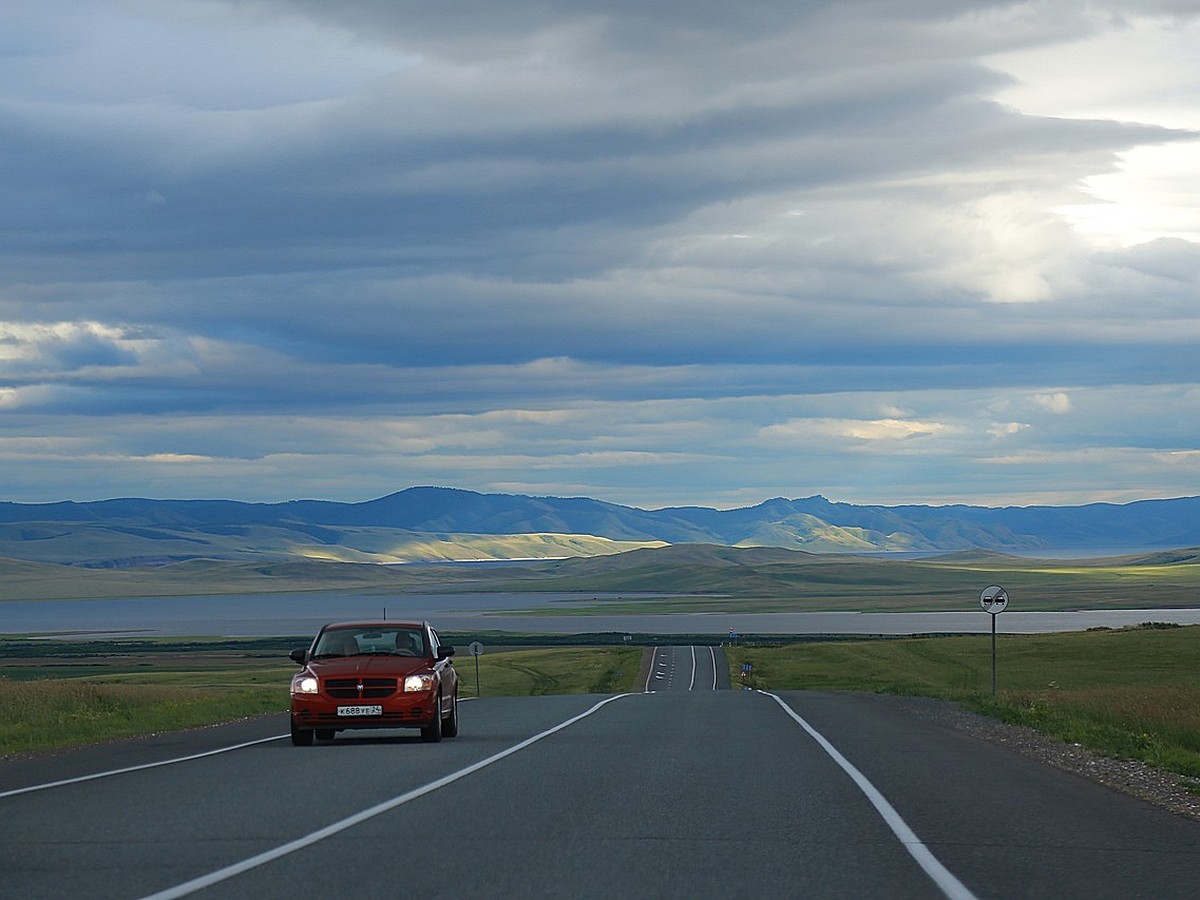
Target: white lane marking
{"type": "Point", "coordinates": [713, 653]}
{"type": "Point", "coordinates": [653, 654]}
{"type": "Point", "coordinates": [196, 884]}
{"type": "Point", "coordinates": [153, 765]}
{"type": "Point", "coordinates": [942, 877]}
{"type": "Point", "coordinates": [692, 684]}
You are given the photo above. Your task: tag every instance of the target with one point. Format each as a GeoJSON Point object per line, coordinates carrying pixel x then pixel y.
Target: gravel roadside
{"type": "Point", "coordinates": [1146, 782]}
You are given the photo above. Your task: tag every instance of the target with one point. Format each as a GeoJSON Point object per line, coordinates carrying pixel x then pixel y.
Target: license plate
{"type": "Point", "coordinates": [360, 710]}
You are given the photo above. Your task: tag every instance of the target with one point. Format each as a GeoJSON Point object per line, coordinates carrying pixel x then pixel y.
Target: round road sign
{"type": "Point", "coordinates": [993, 599]}
{"type": "Point", "coordinates": [476, 648]}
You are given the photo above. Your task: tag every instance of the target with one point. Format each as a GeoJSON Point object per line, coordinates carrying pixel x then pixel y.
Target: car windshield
{"type": "Point", "coordinates": [359, 641]}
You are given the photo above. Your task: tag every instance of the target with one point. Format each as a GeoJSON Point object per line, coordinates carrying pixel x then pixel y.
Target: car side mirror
{"type": "Point", "coordinates": [298, 655]}
{"type": "Point", "coordinates": [445, 651]}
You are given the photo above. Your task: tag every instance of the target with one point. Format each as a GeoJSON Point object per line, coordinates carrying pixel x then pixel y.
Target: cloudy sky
{"type": "Point", "coordinates": [650, 251]}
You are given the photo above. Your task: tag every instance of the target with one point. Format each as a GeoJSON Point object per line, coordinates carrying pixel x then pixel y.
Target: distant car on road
{"type": "Point", "coordinates": [374, 675]}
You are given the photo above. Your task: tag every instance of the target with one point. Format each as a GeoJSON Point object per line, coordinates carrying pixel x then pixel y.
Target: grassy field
{"type": "Point", "coordinates": [47, 714]}
{"type": "Point", "coordinates": [571, 670]}
{"type": "Point", "coordinates": [837, 583]}
{"type": "Point", "coordinates": [1132, 693]}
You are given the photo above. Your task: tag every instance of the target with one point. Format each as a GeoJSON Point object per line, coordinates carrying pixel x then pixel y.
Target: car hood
{"type": "Point", "coordinates": [377, 664]}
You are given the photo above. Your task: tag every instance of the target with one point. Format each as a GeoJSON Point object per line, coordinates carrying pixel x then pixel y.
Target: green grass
{"type": "Point", "coordinates": [1132, 694]}
{"type": "Point", "coordinates": [573, 670]}
{"type": "Point", "coordinates": [40, 715]}
{"type": "Point", "coordinates": [67, 693]}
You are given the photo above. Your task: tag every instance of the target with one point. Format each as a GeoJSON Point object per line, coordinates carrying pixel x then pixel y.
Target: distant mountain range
{"type": "Point", "coordinates": [438, 524]}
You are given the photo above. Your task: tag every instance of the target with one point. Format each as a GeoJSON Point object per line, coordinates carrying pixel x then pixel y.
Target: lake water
{"type": "Point", "coordinates": [261, 615]}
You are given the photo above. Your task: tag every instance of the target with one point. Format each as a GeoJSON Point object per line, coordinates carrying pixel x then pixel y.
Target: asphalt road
{"type": "Point", "coordinates": [671, 793]}
{"type": "Point", "coordinates": [686, 669]}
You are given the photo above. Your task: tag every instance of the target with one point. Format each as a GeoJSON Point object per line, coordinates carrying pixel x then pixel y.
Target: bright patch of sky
{"type": "Point", "coordinates": [658, 254]}
{"type": "Point", "coordinates": [1137, 69]}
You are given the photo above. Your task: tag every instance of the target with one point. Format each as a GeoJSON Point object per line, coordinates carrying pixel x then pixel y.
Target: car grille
{"type": "Point", "coordinates": [407, 715]}
{"type": "Point", "coordinates": [347, 688]}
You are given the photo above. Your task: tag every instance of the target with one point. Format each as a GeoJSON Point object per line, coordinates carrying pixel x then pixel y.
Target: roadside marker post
{"type": "Point", "coordinates": [476, 650]}
{"type": "Point", "coordinates": [994, 600]}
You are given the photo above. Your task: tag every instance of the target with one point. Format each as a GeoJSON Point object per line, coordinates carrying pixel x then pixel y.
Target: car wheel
{"type": "Point", "coordinates": [450, 726]}
{"type": "Point", "coordinates": [325, 734]}
{"type": "Point", "coordinates": [301, 737]}
{"type": "Point", "coordinates": [432, 733]}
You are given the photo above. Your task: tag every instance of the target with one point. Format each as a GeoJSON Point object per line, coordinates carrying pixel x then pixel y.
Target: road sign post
{"type": "Point", "coordinates": [476, 650]}
{"type": "Point", "coordinates": [994, 600]}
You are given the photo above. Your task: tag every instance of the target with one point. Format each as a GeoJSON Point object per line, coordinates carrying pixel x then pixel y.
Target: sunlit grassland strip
{"type": "Point", "coordinates": [685, 579]}
{"type": "Point", "coordinates": [832, 583]}
{"type": "Point", "coordinates": [1131, 694]}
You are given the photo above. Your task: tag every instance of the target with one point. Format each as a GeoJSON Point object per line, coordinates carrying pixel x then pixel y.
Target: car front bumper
{"type": "Point", "coordinates": [415, 710]}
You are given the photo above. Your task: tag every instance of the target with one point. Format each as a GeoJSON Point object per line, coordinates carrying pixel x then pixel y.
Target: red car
{"type": "Point", "coordinates": [374, 675]}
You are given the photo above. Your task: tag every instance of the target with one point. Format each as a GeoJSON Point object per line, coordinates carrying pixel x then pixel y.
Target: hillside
{"type": "Point", "coordinates": [432, 524]}
{"type": "Point", "coordinates": [687, 578]}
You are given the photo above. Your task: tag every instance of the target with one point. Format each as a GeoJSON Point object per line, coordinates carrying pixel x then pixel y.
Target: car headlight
{"type": "Point", "coordinates": [304, 684]}
{"type": "Point", "coordinates": [425, 682]}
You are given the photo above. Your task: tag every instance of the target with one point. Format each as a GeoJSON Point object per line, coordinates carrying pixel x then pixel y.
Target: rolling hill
{"type": "Point", "coordinates": [675, 578]}
{"type": "Point", "coordinates": [441, 524]}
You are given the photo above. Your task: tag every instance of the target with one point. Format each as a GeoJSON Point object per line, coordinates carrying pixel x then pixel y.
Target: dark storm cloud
{"type": "Point", "coordinates": [152, 190]}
